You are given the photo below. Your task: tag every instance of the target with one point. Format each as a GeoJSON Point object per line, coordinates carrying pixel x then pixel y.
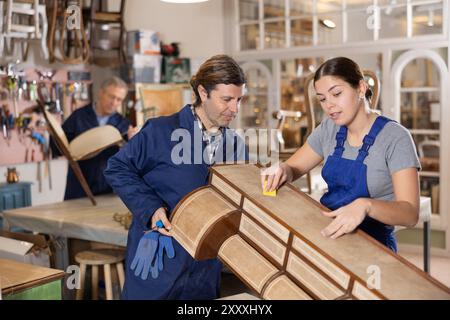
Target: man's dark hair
{"type": "Point", "coordinates": [219, 69]}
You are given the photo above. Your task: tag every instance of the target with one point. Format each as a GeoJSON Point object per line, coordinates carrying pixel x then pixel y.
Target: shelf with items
{"type": "Point", "coordinates": [420, 109]}
{"type": "Point", "coordinates": [418, 89]}
{"type": "Point", "coordinates": [429, 187]}
{"type": "Point", "coordinates": [430, 174]}
{"type": "Point", "coordinates": [255, 110]}
{"type": "Point", "coordinates": [432, 132]}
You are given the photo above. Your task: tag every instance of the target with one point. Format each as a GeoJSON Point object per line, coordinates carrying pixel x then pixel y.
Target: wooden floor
{"type": "Point", "coordinates": [439, 266]}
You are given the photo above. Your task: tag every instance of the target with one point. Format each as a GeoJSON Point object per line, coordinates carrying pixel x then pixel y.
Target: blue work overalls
{"type": "Point", "coordinates": [146, 178]}
{"type": "Point", "coordinates": [347, 181]}
{"type": "Point", "coordinates": [80, 121]}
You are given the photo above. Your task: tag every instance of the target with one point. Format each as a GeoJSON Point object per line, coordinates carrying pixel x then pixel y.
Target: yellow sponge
{"type": "Point", "coordinates": [269, 193]}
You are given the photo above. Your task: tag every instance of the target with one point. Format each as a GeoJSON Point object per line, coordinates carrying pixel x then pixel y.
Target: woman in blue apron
{"type": "Point", "coordinates": [371, 165]}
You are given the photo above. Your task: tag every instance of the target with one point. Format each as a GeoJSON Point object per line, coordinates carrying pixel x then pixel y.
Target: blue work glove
{"type": "Point", "coordinates": [145, 256]}
{"type": "Point", "coordinates": [154, 267]}
{"type": "Point", "coordinates": [165, 244]}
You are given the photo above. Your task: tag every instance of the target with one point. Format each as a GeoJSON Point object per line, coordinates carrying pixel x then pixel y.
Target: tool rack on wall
{"type": "Point", "coordinates": [24, 137]}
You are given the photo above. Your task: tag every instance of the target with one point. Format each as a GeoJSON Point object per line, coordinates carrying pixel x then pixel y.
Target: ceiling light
{"type": "Point", "coordinates": [328, 23]}
{"type": "Point", "coordinates": [183, 1]}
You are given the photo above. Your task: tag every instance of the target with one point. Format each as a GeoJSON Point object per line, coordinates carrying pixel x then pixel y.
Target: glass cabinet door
{"type": "Point", "coordinates": [256, 106]}
{"type": "Point", "coordinates": [420, 112]}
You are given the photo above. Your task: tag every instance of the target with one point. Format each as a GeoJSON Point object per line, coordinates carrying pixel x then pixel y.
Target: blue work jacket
{"type": "Point", "coordinates": [80, 121]}
{"type": "Point", "coordinates": [147, 174]}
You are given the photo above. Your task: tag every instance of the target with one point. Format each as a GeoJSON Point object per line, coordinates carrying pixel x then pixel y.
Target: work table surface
{"type": "Point", "coordinates": [16, 276]}
{"type": "Point", "coordinates": [74, 219]}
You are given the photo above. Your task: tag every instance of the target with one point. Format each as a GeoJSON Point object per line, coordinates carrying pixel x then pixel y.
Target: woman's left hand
{"type": "Point", "coordinates": [347, 218]}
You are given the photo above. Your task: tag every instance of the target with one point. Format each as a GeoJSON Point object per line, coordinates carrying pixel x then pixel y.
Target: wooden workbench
{"type": "Point", "coordinates": [25, 281]}
{"type": "Point", "coordinates": [77, 219]}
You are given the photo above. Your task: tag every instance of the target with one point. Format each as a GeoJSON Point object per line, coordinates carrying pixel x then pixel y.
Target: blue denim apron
{"type": "Point", "coordinates": [347, 181]}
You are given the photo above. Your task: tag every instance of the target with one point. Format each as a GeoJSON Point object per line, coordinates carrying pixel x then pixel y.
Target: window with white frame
{"type": "Point", "coordinates": [266, 24]}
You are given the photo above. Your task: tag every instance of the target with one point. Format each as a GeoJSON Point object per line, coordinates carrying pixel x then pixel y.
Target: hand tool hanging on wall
{"type": "Point", "coordinates": [22, 88]}
{"type": "Point", "coordinates": [7, 122]}
{"type": "Point", "coordinates": [32, 91]}
{"type": "Point", "coordinates": [11, 84]}
{"type": "Point", "coordinates": [14, 74]}
{"type": "Point", "coordinates": [47, 157]}
{"type": "Point", "coordinates": [4, 122]}
{"type": "Point", "coordinates": [46, 74]}
{"type": "Point", "coordinates": [39, 174]}
{"type": "Point", "coordinates": [84, 95]}
{"type": "Point", "coordinates": [57, 97]}
{"type": "Point", "coordinates": [44, 93]}
{"type": "Point", "coordinates": [36, 136]}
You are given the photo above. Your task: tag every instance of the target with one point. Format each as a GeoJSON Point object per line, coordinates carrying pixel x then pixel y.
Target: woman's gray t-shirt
{"type": "Point", "coordinates": [392, 151]}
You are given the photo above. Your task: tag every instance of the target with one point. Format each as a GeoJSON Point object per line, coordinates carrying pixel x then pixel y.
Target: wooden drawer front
{"type": "Point", "coordinates": [251, 266]}
{"type": "Point", "coordinates": [269, 244]}
{"type": "Point", "coordinates": [266, 220]}
{"type": "Point", "coordinates": [199, 213]}
{"type": "Point", "coordinates": [362, 293]}
{"type": "Point", "coordinates": [322, 263]}
{"type": "Point", "coordinates": [226, 189]}
{"type": "Point", "coordinates": [311, 279]}
{"type": "Point", "coordinates": [284, 289]}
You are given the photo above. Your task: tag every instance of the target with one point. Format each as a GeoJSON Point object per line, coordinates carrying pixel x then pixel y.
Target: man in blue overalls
{"type": "Point", "coordinates": [104, 111]}
{"type": "Point", "coordinates": [151, 174]}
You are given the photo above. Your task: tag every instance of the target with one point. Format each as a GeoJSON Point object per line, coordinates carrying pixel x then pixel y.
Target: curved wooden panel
{"type": "Point", "coordinates": [275, 246]}
{"type": "Point", "coordinates": [312, 279]}
{"type": "Point", "coordinates": [93, 141]}
{"type": "Point", "coordinates": [336, 273]}
{"type": "Point", "coordinates": [246, 262]}
{"type": "Point", "coordinates": [197, 215]}
{"type": "Point", "coordinates": [264, 240]}
{"type": "Point", "coordinates": [284, 289]}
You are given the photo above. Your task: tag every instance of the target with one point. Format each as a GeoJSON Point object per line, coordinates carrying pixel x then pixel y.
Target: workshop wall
{"type": "Point", "coordinates": [199, 28]}
{"type": "Point", "coordinates": [37, 173]}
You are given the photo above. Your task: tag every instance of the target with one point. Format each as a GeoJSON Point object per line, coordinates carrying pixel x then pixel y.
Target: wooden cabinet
{"type": "Point", "coordinates": [14, 195]}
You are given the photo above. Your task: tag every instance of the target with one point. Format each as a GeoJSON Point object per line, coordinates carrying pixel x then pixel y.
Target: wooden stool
{"type": "Point", "coordinates": [95, 258]}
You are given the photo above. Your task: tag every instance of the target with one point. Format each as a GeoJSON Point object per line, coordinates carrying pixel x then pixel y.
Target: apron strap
{"type": "Point", "coordinates": [369, 139]}
{"type": "Point", "coordinates": [341, 136]}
